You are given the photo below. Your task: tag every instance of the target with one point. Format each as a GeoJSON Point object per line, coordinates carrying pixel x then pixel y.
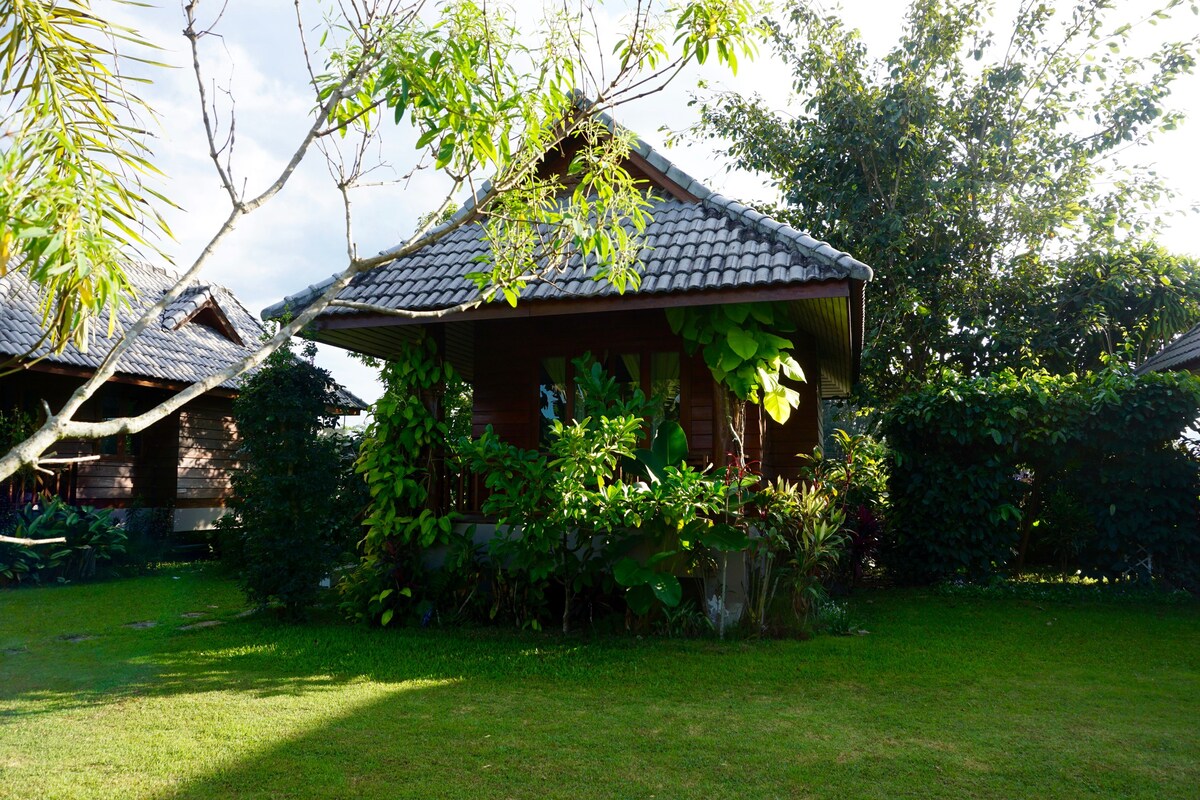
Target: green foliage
{"type": "Point", "coordinates": [559, 513]}
{"type": "Point", "coordinates": [397, 460]}
{"type": "Point", "coordinates": [742, 348]}
{"type": "Point", "coordinates": [285, 506]}
{"type": "Point", "coordinates": [854, 474]}
{"type": "Point", "coordinates": [16, 426]}
{"type": "Point", "coordinates": [74, 205]}
{"type": "Point", "coordinates": [974, 169]}
{"type": "Point", "coordinates": [800, 542]}
{"type": "Point", "coordinates": [95, 544]}
{"type": "Point", "coordinates": [149, 533]}
{"type": "Point", "coordinates": [972, 457]}
{"type": "Point", "coordinates": [1125, 302]}
{"type": "Point", "coordinates": [567, 518]}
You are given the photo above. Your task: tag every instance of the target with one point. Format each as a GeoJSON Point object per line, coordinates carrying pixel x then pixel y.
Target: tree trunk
{"type": "Point", "coordinates": [1033, 505]}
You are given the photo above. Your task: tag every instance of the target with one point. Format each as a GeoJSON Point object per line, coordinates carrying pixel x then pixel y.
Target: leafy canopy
{"type": "Point", "coordinates": [974, 168]}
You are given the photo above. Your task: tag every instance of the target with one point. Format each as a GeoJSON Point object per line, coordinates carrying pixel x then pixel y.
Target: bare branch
{"type": "Point", "coordinates": [71, 460]}
{"type": "Point", "coordinates": [406, 314]}
{"type": "Point", "coordinates": [193, 36]}
{"type": "Point", "coordinates": [31, 542]}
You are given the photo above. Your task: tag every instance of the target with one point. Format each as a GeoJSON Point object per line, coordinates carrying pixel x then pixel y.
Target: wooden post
{"type": "Point", "coordinates": [720, 425]}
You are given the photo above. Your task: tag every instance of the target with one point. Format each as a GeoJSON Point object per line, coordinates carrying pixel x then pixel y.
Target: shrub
{"type": "Point", "coordinates": [94, 547]}
{"type": "Point", "coordinates": [854, 473]}
{"type": "Point", "coordinates": [149, 533]}
{"type": "Point", "coordinates": [974, 458]}
{"type": "Point", "coordinates": [285, 492]}
{"type": "Point", "coordinates": [398, 460]}
{"type": "Point", "coordinates": [802, 539]}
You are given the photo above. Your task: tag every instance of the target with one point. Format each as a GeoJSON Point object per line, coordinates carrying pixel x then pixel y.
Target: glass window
{"type": "Point", "coordinates": [627, 370]}
{"type": "Point", "coordinates": [552, 396]}
{"type": "Point", "coordinates": [664, 387]}
{"type": "Point", "coordinates": [123, 445]}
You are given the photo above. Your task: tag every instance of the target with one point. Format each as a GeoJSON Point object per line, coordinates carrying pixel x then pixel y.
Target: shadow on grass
{"type": "Point", "coordinates": [261, 657]}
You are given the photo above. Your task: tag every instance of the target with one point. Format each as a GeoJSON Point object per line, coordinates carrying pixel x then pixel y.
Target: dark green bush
{"type": "Point", "coordinates": [286, 492]}
{"type": "Point", "coordinates": [94, 547]}
{"type": "Point", "coordinates": [978, 461]}
{"type": "Point", "coordinates": [150, 536]}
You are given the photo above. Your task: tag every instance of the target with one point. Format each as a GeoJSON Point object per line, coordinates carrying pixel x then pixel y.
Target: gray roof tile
{"type": "Point", "coordinates": [1183, 353]}
{"type": "Point", "coordinates": [168, 350]}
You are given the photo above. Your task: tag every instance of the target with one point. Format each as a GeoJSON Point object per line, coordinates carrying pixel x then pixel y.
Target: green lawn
{"type": "Point", "coordinates": [944, 698]}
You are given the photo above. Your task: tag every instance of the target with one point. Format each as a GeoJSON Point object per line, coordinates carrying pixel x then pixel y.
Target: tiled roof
{"type": "Point", "coordinates": [1183, 353]}
{"type": "Point", "coordinates": [715, 243]}
{"type": "Point", "coordinates": [167, 350]}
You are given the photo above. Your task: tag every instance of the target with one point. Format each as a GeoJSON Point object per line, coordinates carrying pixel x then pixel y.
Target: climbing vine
{"type": "Point", "coordinates": [745, 353]}
{"type": "Point", "coordinates": [399, 459]}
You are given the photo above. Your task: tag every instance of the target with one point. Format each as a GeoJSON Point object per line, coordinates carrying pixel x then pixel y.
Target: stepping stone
{"type": "Point", "coordinates": [249, 612]}
{"type": "Point", "coordinates": [14, 651]}
{"type": "Point", "coordinates": [208, 623]}
{"type": "Point", "coordinates": [194, 614]}
{"type": "Point", "coordinates": [138, 626]}
{"type": "Point", "coordinates": [76, 638]}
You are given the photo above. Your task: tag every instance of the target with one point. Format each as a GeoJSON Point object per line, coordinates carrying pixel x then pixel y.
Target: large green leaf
{"type": "Point", "coordinates": [640, 599]}
{"type": "Point", "coordinates": [667, 589]}
{"type": "Point", "coordinates": [670, 443]}
{"type": "Point", "coordinates": [725, 538]}
{"type": "Point", "coordinates": [628, 572]}
{"type": "Point", "coordinates": [779, 403]}
{"type": "Point", "coordinates": [742, 342]}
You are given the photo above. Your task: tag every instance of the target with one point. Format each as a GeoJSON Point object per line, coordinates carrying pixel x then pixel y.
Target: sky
{"type": "Point", "coordinates": [298, 238]}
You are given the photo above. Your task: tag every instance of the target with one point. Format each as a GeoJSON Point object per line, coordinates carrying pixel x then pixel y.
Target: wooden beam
{"type": "Point", "coordinates": [660, 178]}
{"type": "Point", "coordinates": [597, 305]}
{"type": "Point", "coordinates": [152, 383]}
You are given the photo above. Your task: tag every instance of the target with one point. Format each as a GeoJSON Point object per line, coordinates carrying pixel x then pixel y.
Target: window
{"type": "Point", "coordinates": [122, 445]}
{"type": "Point", "coordinates": [656, 374]}
{"type": "Point", "coordinates": [552, 396]}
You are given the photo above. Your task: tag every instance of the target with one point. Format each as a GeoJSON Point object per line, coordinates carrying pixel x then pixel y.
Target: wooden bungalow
{"type": "Point", "coordinates": [182, 462]}
{"type": "Point", "coordinates": [700, 249]}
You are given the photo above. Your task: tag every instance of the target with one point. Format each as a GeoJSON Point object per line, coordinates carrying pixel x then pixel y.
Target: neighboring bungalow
{"type": "Point", "coordinates": [182, 462]}
{"type": "Point", "coordinates": [1181, 354]}
{"type": "Point", "coordinates": [700, 249]}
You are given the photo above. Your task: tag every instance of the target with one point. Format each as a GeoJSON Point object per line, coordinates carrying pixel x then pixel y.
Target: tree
{"type": "Point", "coordinates": [288, 479]}
{"type": "Point", "coordinates": [488, 104]}
{"type": "Point", "coordinates": [976, 171]}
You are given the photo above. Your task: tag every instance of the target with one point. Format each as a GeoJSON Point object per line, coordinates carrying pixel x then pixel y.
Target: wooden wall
{"type": "Point", "coordinates": [508, 352]}
{"type": "Point", "coordinates": [183, 460]}
{"type": "Point", "coordinates": [207, 453]}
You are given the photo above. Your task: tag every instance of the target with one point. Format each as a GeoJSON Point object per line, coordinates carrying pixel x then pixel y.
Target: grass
{"type": "Point", "coordinates": [946, 697]}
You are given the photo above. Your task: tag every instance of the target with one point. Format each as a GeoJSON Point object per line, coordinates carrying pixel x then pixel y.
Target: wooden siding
{"type": "Point", "coordinates": [207, 452]}
{"type": "Point", "coordinates": [184, 459]}
{"type": "Point", "coordinates": [508, 352]}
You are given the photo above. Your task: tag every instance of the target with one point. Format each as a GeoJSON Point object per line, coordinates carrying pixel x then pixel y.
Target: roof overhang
{"type": "Point", "coordinates": [829, 311]}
